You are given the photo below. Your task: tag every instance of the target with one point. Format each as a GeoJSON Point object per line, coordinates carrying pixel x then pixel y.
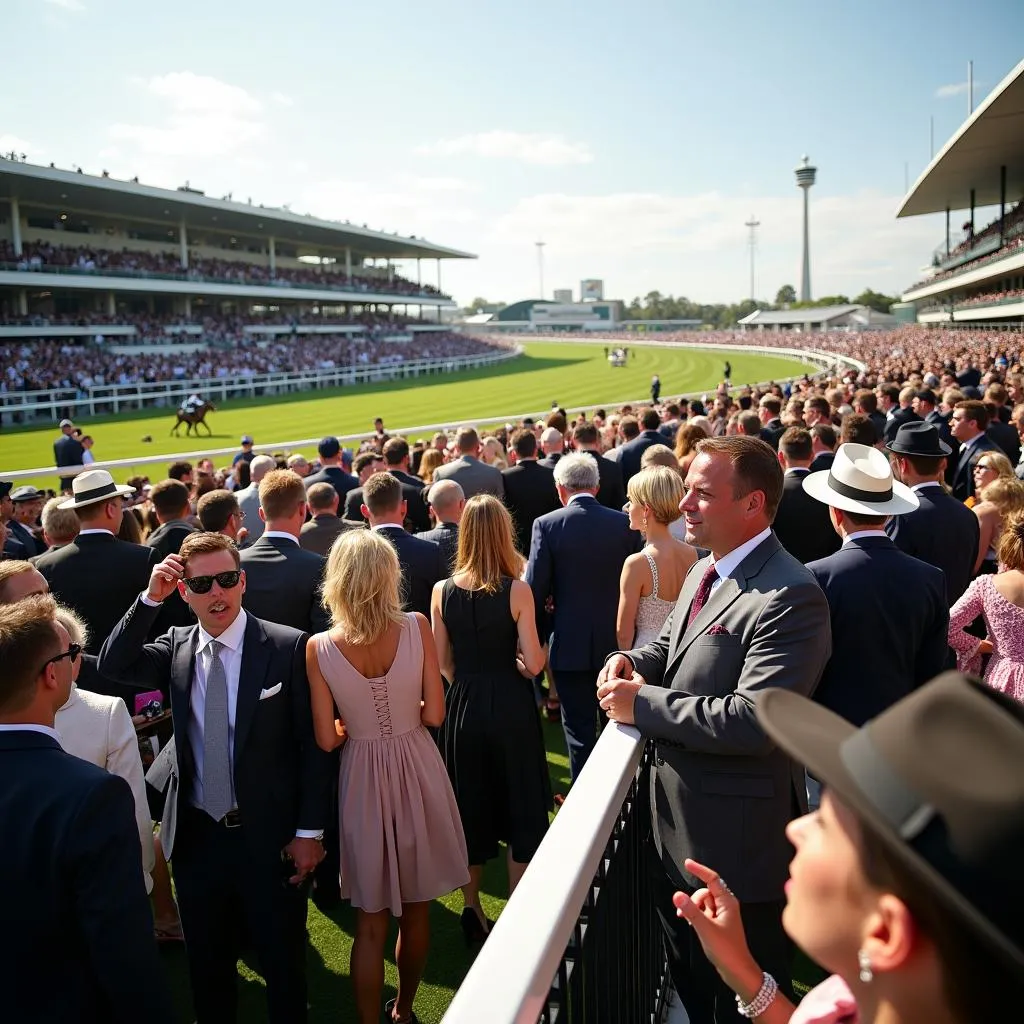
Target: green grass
{"type": "Point", "coordinates": [327, 960]}
{"type": "Point", "coordinates": [570, 374]}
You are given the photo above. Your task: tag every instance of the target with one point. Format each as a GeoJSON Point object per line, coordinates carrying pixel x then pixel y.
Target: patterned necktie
{"type": "Point", "coordinates": [700, 598]}
{"type": "Point", "coordinates": [217, 800]}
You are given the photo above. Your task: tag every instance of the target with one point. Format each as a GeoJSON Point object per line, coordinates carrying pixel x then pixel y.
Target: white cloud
{"type": "Point", "coordinates": [953, 89]}
{"type": "Point", "coordinates": [282, 100]}
{"type": "Point", "coordinates": [68, 5]}
{"type": "Point", "coordinates": [15, 144]}
{"type": "Point", "coordinates": [527, 147]}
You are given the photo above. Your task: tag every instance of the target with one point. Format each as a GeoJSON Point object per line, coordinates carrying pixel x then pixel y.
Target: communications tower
{"type": "Point", "coordinates": [805, 175]}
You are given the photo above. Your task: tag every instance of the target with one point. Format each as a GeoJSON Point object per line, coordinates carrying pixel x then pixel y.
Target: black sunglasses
{"type": "Point", "coordinates": [73, 651]}
{"type": "Point", "coordinates": [204, 584]}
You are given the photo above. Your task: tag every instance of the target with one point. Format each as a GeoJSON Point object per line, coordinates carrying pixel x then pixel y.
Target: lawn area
{"type": "Point", "coordinates": [570, 374]}
{"type": "Point", "coordinates": [330, 992]}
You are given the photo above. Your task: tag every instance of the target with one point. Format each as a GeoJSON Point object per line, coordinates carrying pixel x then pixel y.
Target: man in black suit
{"type": "Point", "coordinates": [283, 581]}
{"type": "Point", "coordinates": [552, 444]}
{"type": "Point", "coordinates": [365, 466]}
{"type": "Point", "coordinates": [529, 487]}
{"type": "Point", "coordinates": [611, 491]}
{"type": "Point", "coordinates": [925, 404]}
{"type": "Point", "coordinates": [324, 528]}
{"type": "Point", "coordinates": [865, 403]}
{"type": "Point", "coordinates": [968, 424]}
{"type": "Point", "coordinates": [170, 500]}
{"type": "Point", "coordinates": [999, 429]}
{"type": "Point", "coordinates": [80, 945]}
{"type": "Point", "coordinates": [396, 458]}
{"type": "Point", "coordinates": [329, 450]}
{"type": "Point", "coordinates": [941, 531]}
{"type": "Point", "coordinates": [903, 413]}
{"type": "Point", "coordinates": [447, 503]}
{"type": "Point", "coordinates": [10, 545]}
{"type": "Point", "coordinates": [67, 451]}
{"type": "Point", "coordinates": [769, 409]}
{"type": "Point", "coordinates": [823, 446]}
{"type": "Point", "coordinates": [247, 802]}
{"type": "Point", "coordinates": [889, 611]}
{"type": "Point", "coordinates": [801, 524]}
{"type": "Point", "coordinates": [576, 557]}
{"type": "Point", "coordinates": [28, 503]}
{"type": "Point", "coordinates": [421, 560]}
{"type": "Point", "coordinates": [632, 451]}
{"type": "Point", "coordinates": [97, 575]}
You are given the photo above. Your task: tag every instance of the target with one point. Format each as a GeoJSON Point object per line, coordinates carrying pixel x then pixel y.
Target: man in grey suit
{"type": "Point", "coordinates": [249, 497]}
{"type": "Point", "coordinates": [325, 527]}
{"type": "Point", "coordinates": [749, 617]}
{"type": "Point", "coordinates": [472, 475]}
{"type": "Point", "coordinates": [447, 502]}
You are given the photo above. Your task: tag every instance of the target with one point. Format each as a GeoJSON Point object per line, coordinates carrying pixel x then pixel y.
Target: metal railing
{"type": "Point", "coordinates": [579, 941]}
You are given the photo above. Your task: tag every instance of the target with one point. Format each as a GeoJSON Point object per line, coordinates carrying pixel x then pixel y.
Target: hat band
{"type": "Point", "coordinates": [96, 492]}
{"type": "Point", "coordinates": [858, 493]}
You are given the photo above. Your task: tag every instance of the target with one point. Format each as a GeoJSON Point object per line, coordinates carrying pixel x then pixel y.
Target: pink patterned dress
{"type": "Point", "coordinates": [1004, 623]}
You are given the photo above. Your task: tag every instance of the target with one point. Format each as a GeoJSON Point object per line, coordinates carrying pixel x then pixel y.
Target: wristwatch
{"type": "Point", "coordinates": [319, 837]}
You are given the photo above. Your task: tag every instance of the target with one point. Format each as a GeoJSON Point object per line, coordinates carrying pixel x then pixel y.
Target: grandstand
{"type": "Point", "coordinates": [976, 274]}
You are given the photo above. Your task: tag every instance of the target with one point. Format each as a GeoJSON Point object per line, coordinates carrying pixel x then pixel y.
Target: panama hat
{"type": "Point", "coordinates": [860, 481]}
{"type": "Point", "coordinates": [92, 486]}
{"type": "Point", "coordinates": [902, 774]}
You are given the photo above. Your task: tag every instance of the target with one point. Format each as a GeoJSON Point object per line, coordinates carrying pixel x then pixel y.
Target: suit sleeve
{"type": "Point", "coordinates": [933, 654]}
{"type": "Point", "coordinates": [540, 573]}
{"type": "Point", "coordinates": [501, 486]}
{"type": "Point", "coordinates": [123, 759]}
{"type": "Point", "coordinates": [791, 644]}
{"type": "Point", "coordinates": [316, 763]}
{"type": "Point", "coordinates": [352, 502]}
{"type": "Point", "coordinates": [111, 907]}
{"type": "Point", "coordinates": [125, 656]}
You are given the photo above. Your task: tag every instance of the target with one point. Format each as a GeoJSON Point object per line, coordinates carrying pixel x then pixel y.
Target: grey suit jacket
{"type": "Point", "coordinates": [473, 476]}
{"type": "Point", "coordinates": [721, 792]}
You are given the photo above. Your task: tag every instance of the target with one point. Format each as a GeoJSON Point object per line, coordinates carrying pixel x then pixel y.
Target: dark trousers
{"type": "Point", "coordinates": [222, 890]}
{"type": "Point", "coordinates": [705, 997]}
{"type": "Point", "coordinates": [577, 692]}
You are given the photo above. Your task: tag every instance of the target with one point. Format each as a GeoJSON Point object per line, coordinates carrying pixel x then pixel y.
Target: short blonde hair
{"type": "Point", "coordinates": [281, 493]}
{"type": "Point", "coordinates": [77, 629]}
{"type": "Point", "coordinates": [362, 586]}
{"type": "Point", "coordinates": [660, 489]}
{"type": "Point", "coordinates": [1000, 463]}
{"type": "Point", "coordinates": [1006, 493]}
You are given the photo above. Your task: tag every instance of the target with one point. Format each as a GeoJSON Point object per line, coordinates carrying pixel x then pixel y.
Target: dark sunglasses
{"type": "Point", "coordinates": [204, 584]}
{"type": "Point", "coordinates": [73, 651]}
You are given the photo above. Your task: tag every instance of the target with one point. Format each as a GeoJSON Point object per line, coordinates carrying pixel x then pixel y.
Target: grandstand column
{"type": "Point", "coordinates": [348, 261]}
{"type": "Point", "coordinates": [15, 226]}
{"type": "Point", "coordinates": [272, 253]}
{"type": "Point", "coordinates": [111, 304]}
{"type": "Point", "coordinates": [972, 214]}
{"type": "Point", "coordinates": [188, 306]}
{"type": "Point", "coordinates": [22, 302]}
{"type": "Point", "coordinates": [419, 275]}
{"type": "Point", "coordinates": [183, 243]}
{"type": "Point", "coordinates": [947, 231]}
{"type": "Point", "coordinates": [439, 273]}
{"type": "Point", "coordinates": [1002, 204]}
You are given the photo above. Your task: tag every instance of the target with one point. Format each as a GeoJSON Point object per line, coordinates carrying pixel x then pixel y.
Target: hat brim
{"type": "Point", "coordinates": [813, 735]}
{"type": "Point", "coordinates": [944, 450]}
{"type": "Point", "coordinates": [903, 499]}
{"type": "Point", "coordinates": [120, 491]}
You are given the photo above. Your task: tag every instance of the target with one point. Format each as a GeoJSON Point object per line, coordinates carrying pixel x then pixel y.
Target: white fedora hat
{"type": "Point", "coordinates": [92, 486]}
{"type": "Point", "coordinates": [861, 481]}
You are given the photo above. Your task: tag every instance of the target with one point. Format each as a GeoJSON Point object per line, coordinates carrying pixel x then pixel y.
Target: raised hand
{"type": "Point", "coordinates": [163, 581]}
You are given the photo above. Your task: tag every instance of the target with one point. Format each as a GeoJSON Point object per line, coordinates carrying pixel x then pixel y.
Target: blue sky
{"type": "Point", "coordinates": [633, 139]}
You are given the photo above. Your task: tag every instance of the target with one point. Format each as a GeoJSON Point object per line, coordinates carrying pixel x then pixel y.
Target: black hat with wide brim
{"type": "Point", "coordinates": [939, 778]}
{"type": "Point", "coordinates": [919, 439]}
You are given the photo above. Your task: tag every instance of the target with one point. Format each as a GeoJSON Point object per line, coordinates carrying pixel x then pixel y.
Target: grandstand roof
{"type": "Point", "coordinates": [992, 137]}
{"type": "Point", "coordinates": [810, 315]}
{"type": "Point", "coordinates": [53, 187]}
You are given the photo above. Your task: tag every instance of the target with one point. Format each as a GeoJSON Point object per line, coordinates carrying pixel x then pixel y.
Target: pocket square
{"type": "Point", "coordinates": [271, 691]}
{"type": "Point", "coordinates": [718, 630]}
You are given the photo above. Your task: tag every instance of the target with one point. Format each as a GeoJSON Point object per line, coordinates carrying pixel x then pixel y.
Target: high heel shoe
{"type": "Point", "coordinates": [472, 930]}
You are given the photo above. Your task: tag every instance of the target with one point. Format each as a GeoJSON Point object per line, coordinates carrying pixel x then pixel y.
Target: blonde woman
{"type": "Point", "coordinates": [486, 635]}
{"type": "Point", "coordinates": [401, 841]}
{"type": "Point", "coordinates": [1001, 496]}
{"type": "Point", "coordinates": [990, 466]}
{"type": "Point", "coordinates": [652, 578]}
{"type": "Point", "coordinates": [493, 453]}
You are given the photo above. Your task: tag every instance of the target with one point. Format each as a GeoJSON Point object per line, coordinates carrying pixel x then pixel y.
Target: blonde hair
{"type": "Point", "coordinates": [660, 489]}
{"type": "Point", "coordinates": [77, 629]}
{"type": "Point", "coordinates": [487, 547]}
{"type": "Point", "coordinates": [1011, 542]}
{"type": "Point", "coordinates": [494, 447]}
{"type": "Point", "coordinates": [432, 458]}
{"type": "Point", "coordinates": [11, 568]}
{"type": "Point", "coordinates": [281, 493]}
{"type": "Point", "coordinates": [361, 586]}
{"type": "Point", "coordinates": [1000, 463]}
{"type": "Point", "coordinates": [1006, 493]}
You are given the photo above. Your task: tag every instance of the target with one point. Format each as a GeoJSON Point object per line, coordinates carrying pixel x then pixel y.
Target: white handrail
{"type": "Point", "coordinates": [512, 974]}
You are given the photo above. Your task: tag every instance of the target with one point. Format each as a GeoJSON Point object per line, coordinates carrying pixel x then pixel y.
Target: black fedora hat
{"type": "Point", "coordinates": [919, 439]}
{"type": "Point", "coordinates": [939, 778]}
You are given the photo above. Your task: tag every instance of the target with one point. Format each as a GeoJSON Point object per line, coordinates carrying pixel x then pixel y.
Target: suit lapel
{"type": "Point", "coordinates": [251, 676]}
{"type": "Point", "coordinates": [182, 672]}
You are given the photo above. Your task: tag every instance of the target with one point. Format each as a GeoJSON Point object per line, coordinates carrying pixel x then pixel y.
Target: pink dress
{"type": "Point", "coordinates": [401, 835]}
{"type": "Point", "coordinates": [831, 1002]}
{"type": "Point", "coordinates": [1004, 623]}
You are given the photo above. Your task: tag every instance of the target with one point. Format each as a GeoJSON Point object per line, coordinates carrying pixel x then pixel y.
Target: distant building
{"type": "Point", "coordinates": [563, 295]}
{"type": "Point", "coordinates": [818, 318]}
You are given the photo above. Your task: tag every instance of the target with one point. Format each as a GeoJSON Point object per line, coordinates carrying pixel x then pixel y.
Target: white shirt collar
{"type": "Point", "coordinates": [794, 470]}
{"type": "Point", "coordinates": [31, 727]}
{"type": "Point", "coordinates": [388, 526]}
{"type": "Point", "coordinates": [927, 483]}
{"type": "Point", "coordinates": [83, 533]}
{"type": "Point", "coordinates": [580, 494]}
{"type": "Point", "coordinates": [862, 534]}
{"type": "Point", "coordinates": [281, 535]}
{"type": "Point", "coordinates": [231, 638]}
{"type": "Point", "coordinates": [729, 563]}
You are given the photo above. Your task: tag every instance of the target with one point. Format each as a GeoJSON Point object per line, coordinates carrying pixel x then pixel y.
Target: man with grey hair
{"type": "Point", "coordinates": [552, 444]}
{"type": "Point", "coordinates": [447, 500]}
{"type": "Point", "coordinates": [60, 525]}
{"type": "Point", "coordinates": [299, 465]}
{"type": "Point", "coordinates": [249, 497]}
{"type": "Point", "coordinates": [576, 557]}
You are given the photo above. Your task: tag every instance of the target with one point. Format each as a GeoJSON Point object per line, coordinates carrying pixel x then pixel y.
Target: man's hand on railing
{"type": "Point", "coordinates": [617, 685]}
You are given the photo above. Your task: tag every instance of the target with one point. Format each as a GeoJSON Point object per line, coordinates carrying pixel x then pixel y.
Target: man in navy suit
{"type": "Point", "coordinates": [79, 944]}
{"type": "Point", "coordinates": [247, 797]}
{"type": "Point", "coordinates": [611, 493]}
{"type": "Point", "coordinates": [823, 446]}
{"type": "Point", "coordinates": [632, 451]}
{"type": "Point", "coordinates": [968, 424]}
{"type": "Point", "coordinates": [889, 611]}
{"type": "Point", "coordinates": [576, 556]}
{"type": "Point", "coordinates": [941, 531]}
{"type": "Point", "coordinates": [67, 451]}
{"type": "Point", "coordinates": [422, 561]}
{"type": "Point", "coordinates": [447, 503]}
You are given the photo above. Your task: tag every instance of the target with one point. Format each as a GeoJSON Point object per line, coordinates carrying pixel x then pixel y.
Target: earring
{"type": "Point", "coordinates": [864, 962]}
{"type": "Point", "coordinates": [645, 520]}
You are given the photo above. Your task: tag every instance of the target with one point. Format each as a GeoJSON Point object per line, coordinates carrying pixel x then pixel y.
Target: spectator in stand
{"type": "Point", "coordinates": [447, 503]}
{"type": "Point", "coordinates": [770, 412]}
{"type": "Point", "coordinates": [529, 488]}
{"type": "Point", "coordinates": [858, 429]}
{"type": "Point", "coordinates": [218, 512]}
{"type": "Point", "coordinates": [802, 525]}
{"type": "Point", "coordinates": [632, 451]}
{"type": "Point", "coordinates": [431, 459]}
{"type": "Point", "coordinates": [552, 444]}
{"type": "Point", "coordinates": [299, 465]}
{"type": "Point", "coordinates": [324, 528]}
{"type": "Point", "coordinates": [901, 414]}
{"type": "Point", "coordinates": [472, 475]}
{"type": "Point", "coordinates": [67, 452]}
{"type": "Point", "coordinates": [329, 450]}
{"type": "Point", "coordinates": [60, 525]}
{"type": "Point", "coordinates": [249, 497]}
{"type": "Point", "coordinates": [27, 503]}
{"type": "Point", "coordinates": [246, 454]}
{"type": "Point", "coordinates": [817, 410]}
{"type": "Point", "coordinates": [493, 453]}
{"type": "Point", "coordinates": [687, 437]}
{"type": "Point", "coordinates": [823, 445]}
{"type": "Point", "coordinates": [748, 423]}
{"type": "Point", "coordinates": [865, 403]}
{"type": "Point", "coordinates": [999, 429]}
{"type": "Point", "coordinates": [366, 465]}
{"type": "Point", "coordinates": [181, 471]}
{"type": "Point", "coordinates": [396, 459]}
{"type": "Point", "coordinates": [628, 430]}
{"type": "Point", "coordinates": [170, 500]}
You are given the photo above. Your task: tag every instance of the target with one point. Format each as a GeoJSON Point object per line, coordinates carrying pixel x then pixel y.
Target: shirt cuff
{"type": "Point", "coordinates": [307, 833]}
{"type": "Point", "coordinates": [147, 600]}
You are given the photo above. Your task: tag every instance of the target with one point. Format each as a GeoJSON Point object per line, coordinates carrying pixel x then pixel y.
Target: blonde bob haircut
{"type": "Point", "coordinates": [487, 548]}
{"type": "Point", "coordinates": [660, 489]}
{"type": "Point", "coordinates": [1011, 543]}
{"type": "Point", "coordinates": [361, 586]}
{"type": "Point", "coordinates": [1006, 493]}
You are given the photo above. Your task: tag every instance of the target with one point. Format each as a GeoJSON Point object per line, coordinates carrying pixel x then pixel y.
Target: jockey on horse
{"type": "Point", "coordinates": [192, 412]}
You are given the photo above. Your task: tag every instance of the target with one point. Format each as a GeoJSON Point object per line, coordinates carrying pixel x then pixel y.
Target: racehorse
{"type": "Point", "coordinates": [194, 418]}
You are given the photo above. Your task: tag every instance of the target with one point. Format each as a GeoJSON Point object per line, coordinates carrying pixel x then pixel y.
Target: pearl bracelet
{"type": "Point", "coordinates": [764, 998]}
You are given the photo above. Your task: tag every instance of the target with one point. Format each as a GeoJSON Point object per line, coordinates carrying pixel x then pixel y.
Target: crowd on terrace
{"type": "Point", "coordinates": [87, 259]}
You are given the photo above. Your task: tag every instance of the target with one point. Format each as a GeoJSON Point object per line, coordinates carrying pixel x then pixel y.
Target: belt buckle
{"type": "Point", "coordinates": [232, 820]}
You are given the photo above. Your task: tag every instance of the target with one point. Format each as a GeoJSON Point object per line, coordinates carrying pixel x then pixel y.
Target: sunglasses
{"type": "Point", "coordinates": [73, 651]}
{"type": "Point", "coordinates": [204, 584]}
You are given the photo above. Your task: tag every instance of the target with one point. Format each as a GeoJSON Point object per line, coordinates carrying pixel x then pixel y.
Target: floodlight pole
{"type": "Point", "coordinates": [540, 266]}
{"type": "Point", "coordinates": [752, 225]}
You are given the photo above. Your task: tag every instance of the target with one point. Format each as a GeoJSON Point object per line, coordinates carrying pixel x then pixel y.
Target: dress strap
{"type": "Point", "coordinates": [654, 571]}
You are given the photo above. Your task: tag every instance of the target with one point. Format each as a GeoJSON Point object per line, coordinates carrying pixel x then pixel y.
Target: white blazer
{"type": "Point", "coordinates": [99, 729]}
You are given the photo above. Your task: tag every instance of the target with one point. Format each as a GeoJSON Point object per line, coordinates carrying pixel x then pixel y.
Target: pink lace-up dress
{"type": "Point", "coordinates": [401, 835]}
{"type": "Point", "coordinates": [1004, 623]}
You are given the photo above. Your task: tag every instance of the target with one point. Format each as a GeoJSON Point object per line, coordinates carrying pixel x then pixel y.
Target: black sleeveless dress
{"type": "Point", "coordinates": [491, 738]}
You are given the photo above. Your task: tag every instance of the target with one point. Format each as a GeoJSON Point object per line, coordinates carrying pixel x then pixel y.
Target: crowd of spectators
{"type": "Point", "coordinates": [981, 299]}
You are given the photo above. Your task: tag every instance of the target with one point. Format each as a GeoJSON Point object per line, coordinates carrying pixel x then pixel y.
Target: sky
{"type": "Point", "coordinates": [635, 140]}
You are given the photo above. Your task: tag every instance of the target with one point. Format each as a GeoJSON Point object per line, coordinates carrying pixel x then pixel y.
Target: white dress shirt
{"type": "Point", "coordinates": [728, 564]}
